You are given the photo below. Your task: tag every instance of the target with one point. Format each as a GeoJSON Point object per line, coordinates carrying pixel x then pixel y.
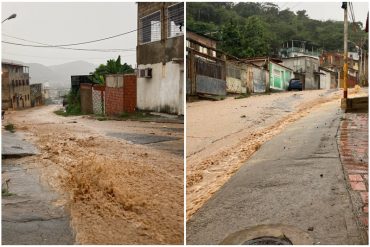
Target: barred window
{"type": "Point", "coordinates": [233, 71]}
{"type": "Point", "coordinates": [150, 28]}
{"type": "Point", "coordinates": [176, 20]}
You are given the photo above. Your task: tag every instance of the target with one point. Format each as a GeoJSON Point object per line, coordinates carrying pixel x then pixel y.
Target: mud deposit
{"type": "Point", "coordinates": [210, 168]}
{"type": "Point", "coordinates": [116, 192]}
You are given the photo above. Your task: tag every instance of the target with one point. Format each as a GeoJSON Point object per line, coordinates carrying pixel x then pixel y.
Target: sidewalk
{"type": "Point", "coordinates": [353, 149]}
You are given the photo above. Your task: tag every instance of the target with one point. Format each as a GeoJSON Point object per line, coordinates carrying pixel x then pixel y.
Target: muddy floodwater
{"type": "Point", "coordinates": [116, 189]}
{"type": "Point", "coordinates": [223, 135]}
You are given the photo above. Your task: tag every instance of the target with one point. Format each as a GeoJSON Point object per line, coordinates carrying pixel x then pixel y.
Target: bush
{"type": "Point", "coordinates": [74, 104]}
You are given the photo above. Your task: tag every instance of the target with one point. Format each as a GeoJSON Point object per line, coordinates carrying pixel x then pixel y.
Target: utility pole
{"type": "Point", "coordinates": [360, 63]}
{"type": "Point", "coordinates": [345, 65]}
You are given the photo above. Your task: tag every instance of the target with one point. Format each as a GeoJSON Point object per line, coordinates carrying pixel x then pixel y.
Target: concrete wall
{"type": "Point", "coordinates": [36, 94]}
{"type": "Point", "coordinates": [15, 82]}
{"type": "Point", "coordinates": [234, 85]}
{"type": "Point", "coordinates": [164, 50]}
{"type": "Point", "coordinates": [5, 91]}
{"type": "Point", "coordinates": [162, 92]}
{"type": "Point", "coordinates": [306, 65]}
{"type": "Point", "coordinates": [325, 80]}
{"type": "Point", "coordinates": [86, 98]}
{"type": "Point", "coordinates": [260, 82]}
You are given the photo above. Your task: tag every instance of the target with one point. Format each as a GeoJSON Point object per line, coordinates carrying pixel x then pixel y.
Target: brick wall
{"type": "Point", "coordinates": [86, 98]}
{"type": "Point", "coordinates": [120, 99]}
{"type": "Point", "coordinates": [129, 93]}
{"type": "Point", "coordinates": [113, 100]}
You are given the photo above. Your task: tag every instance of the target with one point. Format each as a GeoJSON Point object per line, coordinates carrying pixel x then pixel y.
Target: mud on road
{"type": "Point", "coordinates": [117, 192]}
{"type": "Point", "coordinates": [217, 149]}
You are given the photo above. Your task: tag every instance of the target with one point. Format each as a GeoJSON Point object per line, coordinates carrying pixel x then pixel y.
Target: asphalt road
{"type": "Point", "coordinates": [30, 215]}
{"type": "Point", "coordinates": [295, 179]}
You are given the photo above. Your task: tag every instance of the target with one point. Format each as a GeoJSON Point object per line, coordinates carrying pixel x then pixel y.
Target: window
{"type": "Point", "coordinates": [175, 20]}
{"type": "Point", "coordinates": [150, 28]}
{"type": "Point", "coordinates": [13, 84]}
{"type": "Point", "coordinates": [233, 71]}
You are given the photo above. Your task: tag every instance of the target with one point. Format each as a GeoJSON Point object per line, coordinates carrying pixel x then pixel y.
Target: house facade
{"type": "Point", "coordinates": [279, 76]}
{"type": "Point", "coordinates": [160, 57]}
{"type": "Point", "coordinates": [206, 66]}
{"type": "Point", "coordinates": [37, 98]}
{"type": "Point", "coordinates": [244, 77]}
{"type": "Point", "coordinates": [305, 68]}
{"type": "Point", "coordinates": [334, 61]}
{"type": "Point", "coordinates": [15, 82]}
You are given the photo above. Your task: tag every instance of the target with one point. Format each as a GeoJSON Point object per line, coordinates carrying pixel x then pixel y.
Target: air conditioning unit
{"type": "Point", "coordinates": [146, 73]}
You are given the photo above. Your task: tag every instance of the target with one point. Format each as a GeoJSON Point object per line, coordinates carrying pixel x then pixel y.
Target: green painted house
{"type": "Point", "coordinates": [279, 76]}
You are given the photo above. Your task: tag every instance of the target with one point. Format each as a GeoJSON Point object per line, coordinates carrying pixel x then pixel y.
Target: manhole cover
{"type": "Point", "coordinates": [268, 241]}
{"type": "Point", "coordinates": [274, 234]}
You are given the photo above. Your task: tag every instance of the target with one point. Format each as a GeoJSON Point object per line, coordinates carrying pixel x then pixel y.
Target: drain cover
{"type": "Point", "coordinates": [268, 241]}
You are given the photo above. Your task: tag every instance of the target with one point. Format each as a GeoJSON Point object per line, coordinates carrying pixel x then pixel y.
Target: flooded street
{"type": "Point", "coordinates": [121, 181]}
{"type": "Point", "coordinates": [217, 149]}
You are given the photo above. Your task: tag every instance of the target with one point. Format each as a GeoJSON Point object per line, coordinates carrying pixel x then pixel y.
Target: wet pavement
{"type": "Point", "coordinates": [168, 143]}
{"type": "Point", "coordinates": [30, 212]}
{"type": "Point", "coordinates": [295, 179]}
{"type": "Point", "coordinates": [13, 145]}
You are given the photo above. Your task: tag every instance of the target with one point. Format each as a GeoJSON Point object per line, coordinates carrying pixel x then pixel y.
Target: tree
{"type": "Point", "coordinates": [112, 67]}
{"type": "Point", "coordinates": [231, 24]}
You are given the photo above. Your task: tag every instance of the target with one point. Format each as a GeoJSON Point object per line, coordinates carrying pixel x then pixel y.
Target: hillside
{"type": "Point", "coordinates": [258, 29]}
{"type": "Point", "coordinates": [59, 76]}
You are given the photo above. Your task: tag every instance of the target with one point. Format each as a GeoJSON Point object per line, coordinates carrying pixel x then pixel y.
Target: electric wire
{"type": "Point", "coordinates": [68, 48]}
{"type": "Point", "coordinates": [178, 13]}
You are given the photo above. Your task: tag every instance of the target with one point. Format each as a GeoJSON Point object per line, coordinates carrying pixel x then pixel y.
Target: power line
{"type": "Point", "coordinates": [77, 49]}
{"type": "Point", "coordinates": [91, 49]}
{"type": "Point", "coordinates": [102, 39]}
{"type": "Point", "coordinates": [63, 58]}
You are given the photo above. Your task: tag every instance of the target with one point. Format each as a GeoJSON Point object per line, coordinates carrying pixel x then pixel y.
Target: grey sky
{"type": "Point", "coordinates": [327, 10]}
{"type": "Point", "coordinates": [61, 23]}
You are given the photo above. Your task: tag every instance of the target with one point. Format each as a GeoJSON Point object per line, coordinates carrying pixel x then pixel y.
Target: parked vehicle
{"type": "Point", "coordinates": [295, 84]}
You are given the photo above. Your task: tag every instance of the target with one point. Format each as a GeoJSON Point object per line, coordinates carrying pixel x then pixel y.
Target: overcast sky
{"type": "Point", "coordinates": [327, 10]}
{"type": "Point", "coordinates": [61, 23]}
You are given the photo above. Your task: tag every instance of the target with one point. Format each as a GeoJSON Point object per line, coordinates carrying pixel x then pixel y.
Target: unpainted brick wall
{"type": "Point", "coordinates": [121, 99]}
{"type": "Point", "coordinates": [129, 93]}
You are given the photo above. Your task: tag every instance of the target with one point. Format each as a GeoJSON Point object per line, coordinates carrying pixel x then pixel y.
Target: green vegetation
{"type": "Point", "coordinates": [250, 29]}
{"type": "Point", "coordinates": [10, 127]}
{"type": "Point", "coordinates": [73, 107]}
{"type": "Point", "coordinates": [5, 189]}
{"type": "Point", "coordinates": [5, 192]}
{"type": "Point", "coordinates": [112, 67]}
{"type": "Point", "coordinates": [73, 103]}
